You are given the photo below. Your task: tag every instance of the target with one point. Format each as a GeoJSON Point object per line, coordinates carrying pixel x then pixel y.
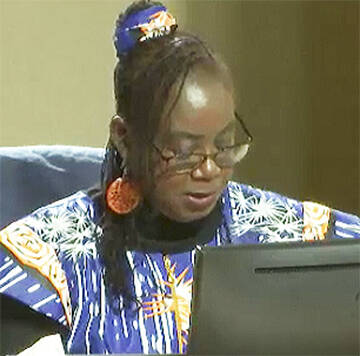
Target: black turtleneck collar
{"type": "Point", "coordinates": [160, 234]}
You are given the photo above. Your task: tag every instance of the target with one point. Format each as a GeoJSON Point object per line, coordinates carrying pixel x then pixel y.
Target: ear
{"type": "Point", "coordinates": [118, 132]}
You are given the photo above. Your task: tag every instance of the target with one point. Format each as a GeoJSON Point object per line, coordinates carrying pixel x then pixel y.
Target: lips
{"type": "Point", "coordinates": [200, 200]}
{"type": "Point", "coordinates": [201, 194]}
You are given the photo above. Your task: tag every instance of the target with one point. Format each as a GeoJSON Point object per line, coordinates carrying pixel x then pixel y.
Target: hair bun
{"type": "Point", "coordinates": [141, 26]}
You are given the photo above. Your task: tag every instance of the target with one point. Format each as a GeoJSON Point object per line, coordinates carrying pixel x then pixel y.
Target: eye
{"type": "Point", "coordinates": [183, 150]}
{"type": "Point", "coordinates": [179, 154]}
{"type": "Point", "coordinates": [222, 148]}
{"type": "Point", "coordinates": [182, 155]}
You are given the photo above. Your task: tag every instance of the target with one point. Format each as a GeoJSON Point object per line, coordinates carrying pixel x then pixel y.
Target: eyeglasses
{"type": "Point", "coordinates": [226, 157]}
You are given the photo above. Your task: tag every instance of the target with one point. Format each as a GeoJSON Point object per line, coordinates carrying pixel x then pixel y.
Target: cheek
{"type": "Point", "coordinates": [154, 173]}
{"type": "Point", "coordinates": [167, 185]}
{"type": "Point", "coordinates": [159, 167]}
{"type": "Point", "coordinates": [166, 190]}
{"type": "Point", "coordinates": [227, 174]}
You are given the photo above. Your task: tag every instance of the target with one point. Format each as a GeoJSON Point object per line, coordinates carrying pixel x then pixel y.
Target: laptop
{"type": "Point", "coordinates": [277, 299]}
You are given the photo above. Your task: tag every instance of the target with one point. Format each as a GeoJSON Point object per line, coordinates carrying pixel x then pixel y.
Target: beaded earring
{"type": "Point", "coordinates": [122, 196]}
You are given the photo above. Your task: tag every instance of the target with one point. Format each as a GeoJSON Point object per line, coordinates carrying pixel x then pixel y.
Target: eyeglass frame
{"type": "Point", "coordinates": [205, 156]}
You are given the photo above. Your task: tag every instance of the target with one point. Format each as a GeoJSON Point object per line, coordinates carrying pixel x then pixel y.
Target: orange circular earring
{"type": "Point", "coordinates": [122, 196]}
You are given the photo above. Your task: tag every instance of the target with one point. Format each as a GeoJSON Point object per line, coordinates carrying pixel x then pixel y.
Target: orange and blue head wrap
{"type": "Point", "coordinates": [141, 26]}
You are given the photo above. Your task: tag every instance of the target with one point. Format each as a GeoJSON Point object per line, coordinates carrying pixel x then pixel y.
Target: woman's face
{"type": "Point", "coordinates": [201, 122]}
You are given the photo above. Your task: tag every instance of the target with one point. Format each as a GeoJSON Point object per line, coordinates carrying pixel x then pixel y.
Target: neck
{"type": "Point", "coordinates": [161, 232]}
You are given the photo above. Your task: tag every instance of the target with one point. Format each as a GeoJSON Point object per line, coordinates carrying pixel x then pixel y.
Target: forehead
{"type": "Point", "coordinates": [204, 108]}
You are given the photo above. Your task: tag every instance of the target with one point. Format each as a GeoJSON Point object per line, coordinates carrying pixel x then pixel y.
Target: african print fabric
{"type": "Point", "coordinates": [49, 261]}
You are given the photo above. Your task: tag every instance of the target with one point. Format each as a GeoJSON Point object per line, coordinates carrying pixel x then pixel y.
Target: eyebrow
{"type": "Point", "coordinates": [191, 136]}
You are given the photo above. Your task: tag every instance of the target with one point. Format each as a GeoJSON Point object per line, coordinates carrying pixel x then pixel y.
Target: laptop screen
{"type": "Point", "coordinates": [284, 298]}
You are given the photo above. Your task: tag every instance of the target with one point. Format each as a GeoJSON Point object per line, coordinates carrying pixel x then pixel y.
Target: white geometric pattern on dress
{"type": "Point", "coordinates": [68, 229]}
{"type": "Point", "coordinates": [275, 220]}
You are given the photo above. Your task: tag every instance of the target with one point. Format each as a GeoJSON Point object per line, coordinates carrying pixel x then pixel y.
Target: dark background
{"type": "Point", "coordinates": [296, 71]}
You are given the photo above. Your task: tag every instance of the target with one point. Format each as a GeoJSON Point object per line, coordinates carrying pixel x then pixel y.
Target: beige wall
{"type": "Point", "coordinates": [57, 60]}
{"type": "Point", "coordinates": [295, 66]}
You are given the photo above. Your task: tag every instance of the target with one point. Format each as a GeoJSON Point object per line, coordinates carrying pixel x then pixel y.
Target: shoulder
{"type": "Point", "coordinates": [66, 223]}
{"type": "Point", "coordinates": [38, 254]}
{"type": "Point", "coordinates": [267, 216]}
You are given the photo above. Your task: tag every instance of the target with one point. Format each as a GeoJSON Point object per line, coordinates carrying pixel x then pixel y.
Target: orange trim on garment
{"type": "Point", "coordinates": [177, 301]}
{"type": "Point", "coordinates": [33, 252]}
{"type": "Point", "coordinates": [316, 221]}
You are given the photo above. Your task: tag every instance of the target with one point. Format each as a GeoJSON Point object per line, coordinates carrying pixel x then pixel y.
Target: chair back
{"type": "Point", "coordinates": [34, 176]}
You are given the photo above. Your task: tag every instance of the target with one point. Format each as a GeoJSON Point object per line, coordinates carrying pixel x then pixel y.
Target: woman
{"type": "Point", "coordinates": [114, 265]}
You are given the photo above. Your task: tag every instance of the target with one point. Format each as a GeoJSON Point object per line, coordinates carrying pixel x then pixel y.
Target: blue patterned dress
{"type": "Point", "coordinates": [49, 261]}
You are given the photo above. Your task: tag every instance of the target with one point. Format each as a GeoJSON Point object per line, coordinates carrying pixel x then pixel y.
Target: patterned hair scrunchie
{"type": "Point", "coordinates": [150, 23]}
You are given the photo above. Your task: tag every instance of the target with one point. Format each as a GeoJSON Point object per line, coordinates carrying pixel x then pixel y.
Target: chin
{"type": "Point", "coordinates": [189, 216]}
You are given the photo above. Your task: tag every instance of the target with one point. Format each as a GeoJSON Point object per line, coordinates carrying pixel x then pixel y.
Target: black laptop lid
{"type": "Point", "coordinates": [288, 298]}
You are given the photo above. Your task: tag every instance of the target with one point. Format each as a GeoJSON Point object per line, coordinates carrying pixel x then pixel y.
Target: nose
{"type": "Point", "coordinates": [208, 170]}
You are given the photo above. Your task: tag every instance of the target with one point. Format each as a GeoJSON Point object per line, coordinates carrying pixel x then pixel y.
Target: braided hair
{"type": "Point", "coordinates": [143, 78]}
